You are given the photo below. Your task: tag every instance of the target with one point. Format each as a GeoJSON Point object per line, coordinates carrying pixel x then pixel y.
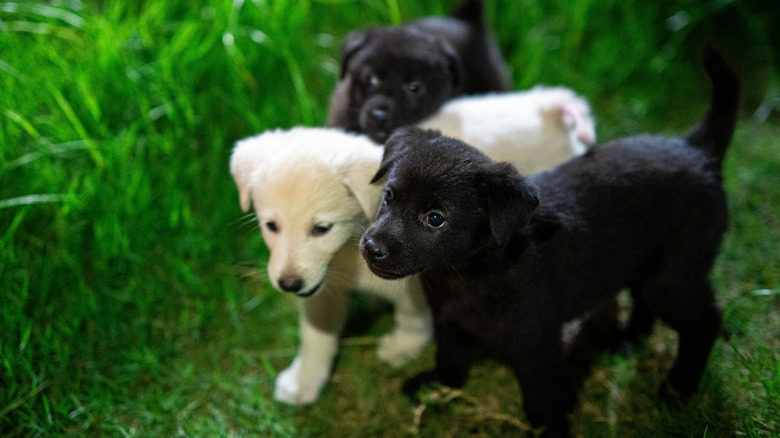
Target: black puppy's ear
{"type": "Point", "coordinates": [470, 11]}
{"type": "Point", "coordinates": [455, 66]}
{"type": "Point", "coordinates": [355, 41]}
{"type": "Point", "coordinates": [395, 146]}
{"type": "Point", "coordinates": [510, 201]}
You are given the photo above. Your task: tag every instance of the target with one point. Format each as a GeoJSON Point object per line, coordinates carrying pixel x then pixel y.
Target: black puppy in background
{"type": "Point", "coordinates": [508, 260]}
{"type": "Point", "coordinates": [396, 76]}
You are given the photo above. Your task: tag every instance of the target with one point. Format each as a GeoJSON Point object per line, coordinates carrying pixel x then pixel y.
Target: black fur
{"type": "Point", "coordinates": [396, 76]}
{"type": "Point", "coordinates": [515, 258]}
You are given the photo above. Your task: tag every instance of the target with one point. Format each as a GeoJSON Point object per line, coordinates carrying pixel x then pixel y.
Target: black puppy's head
{"type": "Point", "coordinates": [444, 201]}
{"type": "Point", "coordinates": [396, 76]}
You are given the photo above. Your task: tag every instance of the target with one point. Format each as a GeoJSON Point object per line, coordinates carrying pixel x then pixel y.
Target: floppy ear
{"type": "Point", "coordinates": [354, 41]}
{"type": "Point", "coordinates": [395, 146]}
{"type": "Point", "coordinates": [356, 175]}
{"type": "Point", "coordinates": [510, 201]}
{"type": "Point", "coordinates": [243, 162]}
{"type": "Point", "coordinates": [454, 64]}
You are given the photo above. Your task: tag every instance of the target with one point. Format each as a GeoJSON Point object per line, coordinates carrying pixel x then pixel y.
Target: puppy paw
{"type": "Point", "coordinates": [412, 386]}
{"type": "Point", "coordinates": [412, 333]}
{"type": "Point", "coordinates": [624, 347]}
{"type": "Point", "coordinates": [400, 347]}
{"type": "Point", "coordinates": [675, 391]}
{"type": "Point", "coordinates": [575, 115]}
{"type": "Point", "coordinates": [671, 397]}
{"type": "Point", "coordinates": [295, 388]}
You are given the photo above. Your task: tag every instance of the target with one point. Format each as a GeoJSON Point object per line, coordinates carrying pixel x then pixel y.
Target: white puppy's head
{"type": "Point", "coordinates": [311, 193]}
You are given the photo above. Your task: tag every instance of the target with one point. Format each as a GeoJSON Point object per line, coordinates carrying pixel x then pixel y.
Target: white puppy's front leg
{"type": "Point", "coordinates": [322, 318]}
{"type": "Point", "coordinates": [413, 325]}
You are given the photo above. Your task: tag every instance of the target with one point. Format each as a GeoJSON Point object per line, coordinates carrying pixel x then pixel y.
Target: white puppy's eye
{"type": "Point", "coordinates": [373, 80]}
{"type": "Point", "coordinates": [271, 225]}
{"type": "Point", "coordinates": [416, 87]}
{"type": "Point", "coordinates": [319, 230]}
{"type": "Point", "coordinates": [434, 219]}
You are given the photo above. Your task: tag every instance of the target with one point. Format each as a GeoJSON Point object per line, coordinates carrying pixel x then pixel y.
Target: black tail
{"type": "Point", "coordinates": [714, 131]}
{"type": "Point", "coordinates": [471, 11]}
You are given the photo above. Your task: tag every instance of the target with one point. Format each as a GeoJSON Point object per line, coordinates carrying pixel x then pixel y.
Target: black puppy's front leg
{"type": "Point", "coordinates": [544, 382]}
{"type": "Point", "coordinates": [455, 352]}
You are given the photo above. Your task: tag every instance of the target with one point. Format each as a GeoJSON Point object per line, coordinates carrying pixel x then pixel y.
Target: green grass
{"type": "Point", "coordinates": [133, 298]}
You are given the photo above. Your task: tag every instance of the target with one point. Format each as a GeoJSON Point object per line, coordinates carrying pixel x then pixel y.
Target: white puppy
{"type": "Point", "coordinates": [310, 190]}
{"type": "Point", "coordinates": [535, 130]}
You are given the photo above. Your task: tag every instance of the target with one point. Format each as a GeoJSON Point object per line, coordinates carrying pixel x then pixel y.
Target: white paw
{"type": "Point", "coordinates": [398, 347]}
{"type": "Point", "coordinates": [575, 115]}
{"type": "Point", "coordinates": [296, 389]}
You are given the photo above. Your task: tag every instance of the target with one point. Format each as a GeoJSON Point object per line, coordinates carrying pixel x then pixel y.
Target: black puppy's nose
{"type": "Point", "coordinates": [291, 283]}
{"type": "Point", "coordinates": [380, 114]}
{"type": "Point", "coordinates": [374, 250]}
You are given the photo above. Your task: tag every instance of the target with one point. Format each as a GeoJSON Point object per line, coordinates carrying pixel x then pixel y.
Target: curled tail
{"type": "Point", "coordinates": [714, 131]}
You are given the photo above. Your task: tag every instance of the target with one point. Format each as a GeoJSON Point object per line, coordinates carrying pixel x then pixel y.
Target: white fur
{"type": "Point", "coordinates": [315, 176]}
{"type": "Point", "coordinates": [535, 130]}
{"type": "Point", "coordinates": [303, 380]}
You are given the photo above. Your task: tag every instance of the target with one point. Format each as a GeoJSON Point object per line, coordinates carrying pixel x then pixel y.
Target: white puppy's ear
{"type": "Point", "coordinates": [243, 162]}
{"type": "Point", "coordinates": [356, 175]}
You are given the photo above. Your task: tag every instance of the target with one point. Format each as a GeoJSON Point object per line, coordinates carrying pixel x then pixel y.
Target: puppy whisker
{"type": "Point", "coordinates": [455, 270]}
{"type": "Point", "coordinates": [250, 270]}
{"type": "Point", "coordinates": [339, 276]}
{"type": "Point", "coordinates": [245, 220]}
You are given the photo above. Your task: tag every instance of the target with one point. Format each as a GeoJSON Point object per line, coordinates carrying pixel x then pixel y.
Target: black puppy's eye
{"type": "Point", "coordinates": [373, 80]}
{"type": "Point", "coordinates": [434, 219]}
{"type": "Point", "coordinates": [319, 230]}
{"type": "Point", "coordinates": [271, 226]}
{"type": "Point", "coordinates": [388, 197]}
{"type": "Point", "coordinates": [416, 87]}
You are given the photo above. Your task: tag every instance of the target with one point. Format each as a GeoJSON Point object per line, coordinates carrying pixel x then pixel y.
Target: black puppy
{"type": "Point", "coordinates": [508, 260]}
{"type": "Point", "coordinates": [396, 76]}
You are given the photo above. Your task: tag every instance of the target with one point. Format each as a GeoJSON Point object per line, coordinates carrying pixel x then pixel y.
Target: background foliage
{"type": "Point", "coordinates": [133, 298]}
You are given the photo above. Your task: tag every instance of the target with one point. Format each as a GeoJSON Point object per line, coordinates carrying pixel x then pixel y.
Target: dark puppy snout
{"type": "Point", "coordinates": [374, 250]}
{"type": "Point", "coordinates": [380, 114]}
{"type": "Point", "coordinates": [291, 283]}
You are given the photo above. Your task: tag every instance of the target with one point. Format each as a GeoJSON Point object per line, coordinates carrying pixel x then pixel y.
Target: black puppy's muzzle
{"type": "Point", "coordinates": [380, 260]}
{"type": "Point", "coordinates": [373, 250]}
{"type": "Point", "coordinates": [377, 117]}
{"type": "Point", "coordinates": [380, 115]}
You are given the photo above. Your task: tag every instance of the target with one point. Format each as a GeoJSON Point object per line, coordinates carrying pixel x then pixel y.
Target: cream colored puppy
{"type": "Point", "coordinates": [311, 193]}
{"type": "Point", "coordinates": [535, 129]}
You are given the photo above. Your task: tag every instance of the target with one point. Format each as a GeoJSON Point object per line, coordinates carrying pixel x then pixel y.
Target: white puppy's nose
{"type": "Point", "coordinates": [291, 283]}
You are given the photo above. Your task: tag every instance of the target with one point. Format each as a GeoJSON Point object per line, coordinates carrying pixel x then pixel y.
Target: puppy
{"type": "Point", "coordinates": [534, 129]}
{"type": "Point", "coordinates": [397, 76]}
{"type": "Point", "coordinates": [508, 260]}
{"type": "Point", "coordinates": [310, 191]}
